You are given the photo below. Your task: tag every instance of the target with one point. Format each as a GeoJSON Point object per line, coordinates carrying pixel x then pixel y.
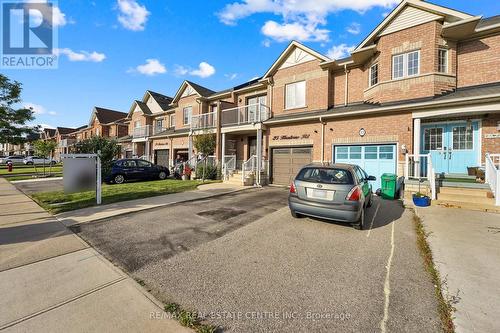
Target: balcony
{"type": "Point", "coordinates": [243, 115]}
{"type": "Point", "coordinates": [203, 121]}
{"type": "Point", "coordinates": [64, 143]}
{"type": "Point", "coordinates": [158, 130]}
{"type": "Point", "coordinates": [142, 132]}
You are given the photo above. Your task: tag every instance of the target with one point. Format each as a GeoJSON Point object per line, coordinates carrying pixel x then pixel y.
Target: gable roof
{"type": "Point", "coordinates": [49, 132]}
{"type": "Point", "coordinates": [106, 116]}
{"type": "Point", "coordinates": [162, 100]}
{"type": "Point", "coordinates": [65, 130]}
{"type": "Point", "coordinates": [289, 49]}
{"type": "Point", "coordinates": [200, 90]}
{"type": "Point", "coordinates": [450, 15]}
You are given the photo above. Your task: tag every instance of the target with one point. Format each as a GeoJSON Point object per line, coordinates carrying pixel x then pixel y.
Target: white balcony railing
{"type": "Point", "coordinates": [66, 143]}
{"type": "Point", "coordinates": [419, 166]}
{"type": "Point", "coordinates": [142, 132]}
{"type": "Point", "coordinates": [248, 114]}
{"type": "Point", "coordinates": [204, 120]}
{"type": "Point", "coordinates": [492, 176]}
{"type": "Point", "coordinates": [157, 130]}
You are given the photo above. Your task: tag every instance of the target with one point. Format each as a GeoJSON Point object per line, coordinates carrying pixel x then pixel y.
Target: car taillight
{"type": "Point", "coordinates": [292, 188]}
{"type": "Point", "coordinates": [354, 194]}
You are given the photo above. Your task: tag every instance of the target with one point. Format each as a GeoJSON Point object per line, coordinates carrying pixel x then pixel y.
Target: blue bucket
{"type": "Point", "coordinates": [421, 201]}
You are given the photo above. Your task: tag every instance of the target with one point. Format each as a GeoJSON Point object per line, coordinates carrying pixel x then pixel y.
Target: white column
{"type": "Point", "coordinates": [190, 147]}
{"type": "Point", "coordinates": [147, 151]}
{"type": "Point", "coordinates": [134, 151]}
{"type": "Point", "coordinates": [416, 146]}
{"type": "Point", "coordinates": [259, 154]}
{"type": "Point", "coordinates": [223, 153]}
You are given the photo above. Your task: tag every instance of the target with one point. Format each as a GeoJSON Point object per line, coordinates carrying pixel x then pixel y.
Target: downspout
{"type": "Point", "coordinates": [346, 85]}
{"type": "Point", "coordinates": [322, 139]}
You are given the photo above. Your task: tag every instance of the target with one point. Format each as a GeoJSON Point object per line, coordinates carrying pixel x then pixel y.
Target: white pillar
{"type": "Point", "coordinates": [223, 153]}
{"type": "Point", "coordinates": [259, 154]}
{"type": "Point", "coordinates": [416, 146]}
{"type": "Point", "coordinates": [190, 147]}
{"type": "Point", "coordinates": [134, 151]}
{"type": "Point", "coordinates": [147, 151]}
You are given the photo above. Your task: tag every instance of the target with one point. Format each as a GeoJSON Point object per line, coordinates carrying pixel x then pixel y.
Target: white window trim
{"type": "Point", "coordinates": [305, 96]}
{"type": "Point", "coordinates": [405, 65]}
{"type": "Point", "coordinates": [171, 123]}
{"type": "Point", "coordinates": [190, 115]}
{"type": "Point", "coordinates": [447, 58]}
{"type": "Point", "coordinates": [370, 75]}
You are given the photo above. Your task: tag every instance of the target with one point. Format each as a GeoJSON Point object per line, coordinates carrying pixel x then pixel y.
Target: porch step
{"type": "Point", "coordinates": [477, 192]}
{"type": "Point", "coordinates": [484, 207]}
{"type": "Point", "coordinates": [445, 197]}
{"type": "Point", "coordinates": [444, 183]}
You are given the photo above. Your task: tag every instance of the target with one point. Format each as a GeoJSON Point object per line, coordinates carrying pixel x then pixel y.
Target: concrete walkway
{"type": "Point", "coordinates": [119, 208]}
{"type": "Point", "coordinates": [52, 281]}
{"type": "Point", "coordinates": [466, 249]}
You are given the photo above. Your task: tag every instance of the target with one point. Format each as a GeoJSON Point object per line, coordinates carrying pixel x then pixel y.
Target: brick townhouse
{"type": "Point", "coordinates": [426, 80]}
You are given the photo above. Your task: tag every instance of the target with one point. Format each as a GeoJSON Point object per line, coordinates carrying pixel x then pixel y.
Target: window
{"type": "Point", "coordinates": [159, 123]}
{"type": "Point", "coordinates": [442, 61]}
{"type": "Point", "coordinates": [143, 164]}
{"type": "Point", "coordinates": [342, 153]}
{"type": "Point", "coordinates": [326, 176]}
{"type": "Point", "coordinates": [186, 115]}
{"type": "Point", "coordinates": [129, 164]}
{"type": "Point", "coordinates": [172, 120]}
{"type": "Point", "coordinates": [371, 153]}
{"type": "Point", "coordinates": [407, 64]}
{"type": "Point", "coordinates": [373, 75]}
{"type": "Point", "coordinates": [433, 138]}
{"type": "Point", "coordinates": [137, 124]}
{"type": "Point", "coordinates": [462, 138]}
{"type": "Point", "coordinates": [355, 153]}
{"type": "Point", "coordinates": [295, 95]}
{"type": "Point", "coordinates": [386, 152]}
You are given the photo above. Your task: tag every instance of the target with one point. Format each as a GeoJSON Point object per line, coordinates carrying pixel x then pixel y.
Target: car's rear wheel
{"type": "Point", "coordinates": [162, 175]}
{"type": "Point", "coordinates": [360, 224]}
{"type": "Point", "coordinates": [370, 203]}
{"type": "Point", "coordinates": [119, 179]}
{"type": "Point", "coordinates": [53, 162]}
{"type": "Point", "coordinates": [29, 163]}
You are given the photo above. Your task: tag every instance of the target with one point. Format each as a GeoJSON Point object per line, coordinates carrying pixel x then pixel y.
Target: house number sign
{"type": "Point", "coordinates": [291, 137]}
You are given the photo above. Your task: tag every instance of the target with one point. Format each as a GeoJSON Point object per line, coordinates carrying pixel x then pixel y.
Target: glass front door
{"type": "Point", "coordinates": [453, 146]}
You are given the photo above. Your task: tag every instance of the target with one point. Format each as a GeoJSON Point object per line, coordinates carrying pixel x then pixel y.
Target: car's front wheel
{"type": "Point", "coordinates": [162, 175]}
{"type": "Point", "coordinates": [119, 179]}
{"type": "Point", "coordinates": [360, 224]}
{"type": "Point", "coordinates": [29, 163]}
{"type": "Point", "coordinates": [295, 215]}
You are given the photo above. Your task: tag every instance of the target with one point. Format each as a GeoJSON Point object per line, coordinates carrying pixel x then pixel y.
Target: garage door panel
{"type": "Point", "coordinates": [374, 159]}
{"type": "Point", "coordinates": [287, 162]}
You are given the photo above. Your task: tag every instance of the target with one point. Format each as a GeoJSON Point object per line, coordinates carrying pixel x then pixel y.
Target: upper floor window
{"type": "Point", "coordinates": [137, 124]}
{"type": "Point", "coordinates": [186, 115]}
{"type": "Point", "coordinates": [295, 95]}
{"type": "Point", "coordinates": [407, 64]}
{"type": "Point", "coordinates": [373, 75]}
{"type": "Point", "coordinates": [213, 108]}
{"type": "Point", "coordinates": [172, 120]}
{"type": "Point", "coordinates": [159, 123]}
{"type": "Point", "coordinates": [443, 61]}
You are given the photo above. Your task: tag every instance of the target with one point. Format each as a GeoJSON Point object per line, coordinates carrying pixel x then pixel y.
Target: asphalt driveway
{"type": "Point", "coordinates": [244, 264]}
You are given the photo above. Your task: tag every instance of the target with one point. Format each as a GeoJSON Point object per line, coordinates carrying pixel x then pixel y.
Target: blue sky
{"type": "Point", "coordinates": [112, 51]}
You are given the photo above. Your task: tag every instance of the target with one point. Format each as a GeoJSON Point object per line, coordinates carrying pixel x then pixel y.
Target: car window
{"type": "Point", "coordinates": [143, 164]}
{"type": "Point", "coordinates": [359, 174]}
{"type": "Point", "coordinates": [129, 164]}
{"type": "Point", "coordinates": [325, 175]}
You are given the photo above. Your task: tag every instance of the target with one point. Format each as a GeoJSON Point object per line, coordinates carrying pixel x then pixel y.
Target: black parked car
{"type": "Point", "coordinates": [135, 169]}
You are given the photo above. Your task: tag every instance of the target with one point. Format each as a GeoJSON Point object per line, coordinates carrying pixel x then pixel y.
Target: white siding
{"type": "Point", "coordinates": [297, 56]}
{"type": "Point", "coordinates": [409, 17]}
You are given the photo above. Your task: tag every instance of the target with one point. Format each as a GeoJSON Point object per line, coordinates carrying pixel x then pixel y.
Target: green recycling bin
{"type": "Point", "coordinates": [389, 182]}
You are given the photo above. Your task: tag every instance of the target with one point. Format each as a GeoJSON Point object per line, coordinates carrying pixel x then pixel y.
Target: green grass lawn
{"type": "Point", "coordinates": [57, 202]}
{"type": "Point", "coordinates": [20, 169]}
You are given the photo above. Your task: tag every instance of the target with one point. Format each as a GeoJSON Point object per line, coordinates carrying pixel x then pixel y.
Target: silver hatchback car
{"type": "Point", "coordinates": [339, 192]}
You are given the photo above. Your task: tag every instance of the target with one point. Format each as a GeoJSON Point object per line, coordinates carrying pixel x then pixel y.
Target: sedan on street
{"type": "Point", "coordinates": [135, 169]}
{"type": "Point", "coordinates": [30, 160]}
{"type": "Point", "coordinates": [15, 159]}
{"type": "Point", "coordinates": [339, 192]}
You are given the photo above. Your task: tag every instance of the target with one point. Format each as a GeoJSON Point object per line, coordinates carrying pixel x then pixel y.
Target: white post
{"type": "Point", "coordinates": [190, 147]}
{"type": "Point", "coordinates": [497, 190]}
{"type": "Point", "coordinates": [223, 153]}
{"type": "Point", "coordinates": [416, 145]}
{"type": "Point", "coordinates": [99, 179]}
{"type": "Point", "coordinates": [406, 173]}
{"type": "Point", "coordinates": [259, 154]}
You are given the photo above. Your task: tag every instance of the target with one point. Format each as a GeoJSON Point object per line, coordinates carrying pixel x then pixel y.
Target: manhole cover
{"type": "Point", "coordinates": [221, 214]}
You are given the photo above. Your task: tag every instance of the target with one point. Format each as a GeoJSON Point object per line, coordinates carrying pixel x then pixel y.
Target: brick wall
{"type": "Point", "coordinates": [489, 126]}
{"type": "Point", "coordinates": [185, 102]}
{"type": "Point", "coordinates": [316, 86]}
{"type": "Point", "coordinates": [478, 61]}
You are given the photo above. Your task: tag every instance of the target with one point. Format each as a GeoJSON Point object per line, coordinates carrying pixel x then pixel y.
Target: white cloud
{"type": "Point", "coordinates": [204, 70]}
{"type": "Point", "coordinates": [354, 28]}
{"type": "Point", "coordinates": [133, 16]}
{"type": "Point", "coordinates": [300, 18]}
{"type": "Point", "coordinates": [340, 51]}
{"type": "Point", "coordinates": [266, 43]}
{"type": "Point", "coordinates": [58, 17]}
{"type": "Point", "coordinates": [180, 70]}
{"type": "Point", "coordinates": [81, 56]}
{"type": "Point", "coordinates": [231, 76]}
{"type": "Point", "coordinates": [288, 31]}
{"type": "Point", "coordinates": [150, 68]}
{"type": "Point", "coordinates": [43, 126]}
{"type": "Point", "coordinates": [38, 109]}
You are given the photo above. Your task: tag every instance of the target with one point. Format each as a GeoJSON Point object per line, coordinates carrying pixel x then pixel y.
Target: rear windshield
{"type": "Point", "coordinates": [326, 176]}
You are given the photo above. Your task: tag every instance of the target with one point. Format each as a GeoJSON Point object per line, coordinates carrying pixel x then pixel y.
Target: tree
{"type": "Point", "coordinates": [109, 150]}
{"type": "Point", "coordinates": [205, 144]}
{"type": "Point", "coordinates": [44, 149]}
{"type": "Point", "coordinates": [13, 122]}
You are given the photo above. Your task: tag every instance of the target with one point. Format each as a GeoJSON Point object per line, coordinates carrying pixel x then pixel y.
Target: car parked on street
{"type": "Point", "coordinates": [30, 160]}
{"type": "Point", "coordinates": [339, 192]}
{"type": "Point", "coordinates": [15, 159]}
{"type": "Point", "coordinates": [135, 169]}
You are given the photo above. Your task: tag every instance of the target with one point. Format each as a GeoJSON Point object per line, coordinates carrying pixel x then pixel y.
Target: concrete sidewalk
{"type": "Point", "coordinates": [52, 281]}
{"type": "Point", "coordinates": [466, 249]}
{"type": "Point", "coordinates": [119, 208]}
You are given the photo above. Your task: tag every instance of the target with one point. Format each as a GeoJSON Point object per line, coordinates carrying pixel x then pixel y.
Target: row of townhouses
{"type": "Point", "coordinates": [425, 81]}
